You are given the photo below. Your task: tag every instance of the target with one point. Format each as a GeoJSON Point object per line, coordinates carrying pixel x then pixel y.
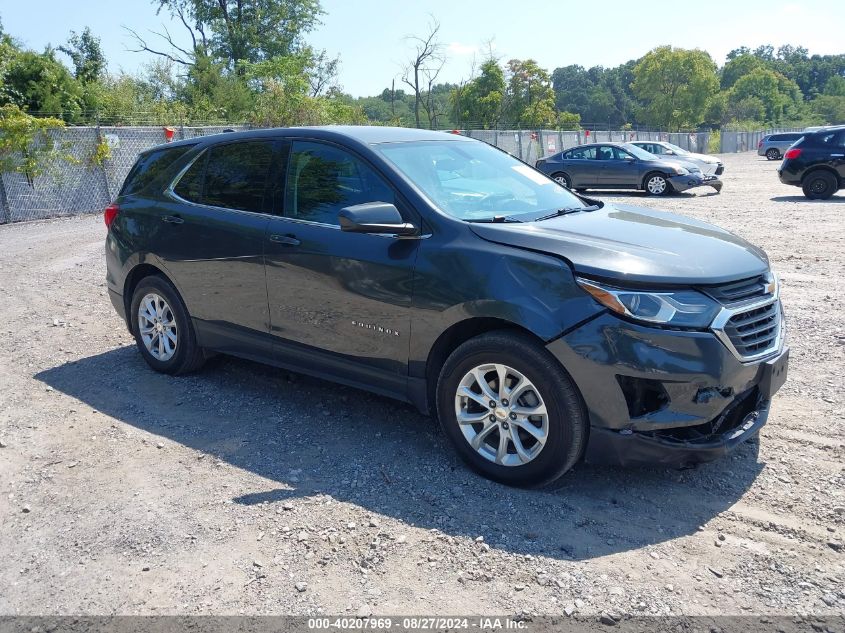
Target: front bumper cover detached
{"type": "Point", "coordinates": [682, 183]}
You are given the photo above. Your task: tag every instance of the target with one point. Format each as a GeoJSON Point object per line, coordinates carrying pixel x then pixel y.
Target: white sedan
{"type": "Point", "coordinates": [710, 165]}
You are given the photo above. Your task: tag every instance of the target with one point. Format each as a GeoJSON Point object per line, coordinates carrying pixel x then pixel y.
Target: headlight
{"type": "Point", "coordinates": [681, 171]}
{"type": "Point", "coordinates": [675, 308]}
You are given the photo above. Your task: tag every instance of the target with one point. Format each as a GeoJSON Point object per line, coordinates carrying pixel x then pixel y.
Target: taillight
{"type": "Point", "coordinates": [792, 153]}
{"type": "Point", "coordinates": [110, 213]}
{"type": "Point", "coordinates": [759, 143]}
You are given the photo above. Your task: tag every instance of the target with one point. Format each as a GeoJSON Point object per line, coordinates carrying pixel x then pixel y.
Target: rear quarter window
{"type": "Point", "coordinates": [150, 166]}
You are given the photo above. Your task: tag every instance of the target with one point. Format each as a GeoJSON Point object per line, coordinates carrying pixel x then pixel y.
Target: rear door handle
{"type": "Point", "coordinates": [289, 240]}
{"type": "Point", "coordinates": [172, 219]}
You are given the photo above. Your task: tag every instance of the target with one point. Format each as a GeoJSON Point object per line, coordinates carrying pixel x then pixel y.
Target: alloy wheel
{"type": "Point", "coordinates": [501, 414]}
{"type": "Point", "coordinates": [157, 327]}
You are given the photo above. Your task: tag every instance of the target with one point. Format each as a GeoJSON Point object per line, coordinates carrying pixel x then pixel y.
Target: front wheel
{"type": "Point", "coordinates": [162, 328]}
{"type": "Point", "coordinates": [772, 154]}
{"type": "Point", "coordinates": [510, 410]}
{"type": "Point", "coordinates": [657, 185]}
{"type": "Point", "coordinates": [820, 185]}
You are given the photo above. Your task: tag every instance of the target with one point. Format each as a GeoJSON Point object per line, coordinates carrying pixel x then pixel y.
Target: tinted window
{"type": "Point", "coordinates": [189, 186]}
{"type": "Point", "coordinates": [236, 175]}
{"type": "Point", "coordinates": [832, 138]}
{"type": "Point", "coordinates": [323, 179]}
{"type": "Point", "coordinates": [582, 153]}
{"type": "Point", "coordinates": [150, 166]}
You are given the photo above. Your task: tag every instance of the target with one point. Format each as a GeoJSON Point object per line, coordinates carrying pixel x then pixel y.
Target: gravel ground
{"type": "Point", "coordinates": [245, 489]}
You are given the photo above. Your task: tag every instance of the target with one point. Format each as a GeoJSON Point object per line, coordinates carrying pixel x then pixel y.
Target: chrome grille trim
{"type": "Point", "coordinates": [749, 325]}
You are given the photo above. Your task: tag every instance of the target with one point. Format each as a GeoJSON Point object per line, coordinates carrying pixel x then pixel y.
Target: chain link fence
{"type": "Point", "coordinates": [76, 183]}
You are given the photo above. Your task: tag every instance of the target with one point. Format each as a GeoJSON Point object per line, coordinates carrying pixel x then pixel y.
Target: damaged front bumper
{"type": "Point", "coordinates": [667, 397]}
{"type": "Point", "coordinates": [682, 183]}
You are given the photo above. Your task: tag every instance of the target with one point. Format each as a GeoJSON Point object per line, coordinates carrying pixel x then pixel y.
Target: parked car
{"type": "Point", "coordinates": [773, 146]}
{"type": "Point", "coordinates": [709, 165]}
{"type": "Point", "coordinates": [816, 163]}
{"type": "Point", "coordinates": [542, 327]}
{"type": "Point", "coordinates": [623, 166]}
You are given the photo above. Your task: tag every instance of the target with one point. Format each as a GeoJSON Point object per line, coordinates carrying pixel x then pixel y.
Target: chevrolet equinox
{"type": "Point", "coordinates": [541, 327]}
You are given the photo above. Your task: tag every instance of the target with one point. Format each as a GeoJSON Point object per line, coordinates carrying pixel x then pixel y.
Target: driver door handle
{"type": "Point", "coordinates": [289, 240]}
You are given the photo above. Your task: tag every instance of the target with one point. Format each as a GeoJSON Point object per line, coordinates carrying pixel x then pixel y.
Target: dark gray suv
{"type": "Point", "coordinates": [623, 166]}
{"type": "Point", "coordinates": [541, 327]}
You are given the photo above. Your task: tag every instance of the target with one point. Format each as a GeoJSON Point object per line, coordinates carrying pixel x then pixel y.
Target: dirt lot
{"type": "Point", "coordinates": [243, 489]}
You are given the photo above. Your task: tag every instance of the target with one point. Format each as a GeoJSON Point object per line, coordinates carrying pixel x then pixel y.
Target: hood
{"type": "Point", "coordinates": [704, 158]}
{"type": "Point", "coordinates": [683, 161]}
{"type": "Point", "coordinates": [636, 246]}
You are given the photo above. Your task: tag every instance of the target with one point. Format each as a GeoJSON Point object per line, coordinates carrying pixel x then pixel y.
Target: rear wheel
{"type": "Point", "coordinates": [820, 185]}
{"type": "Point", "coordinates": [772, 153]}
{"type": "Point", "coordinates": [657, 185]}
{"type": "Point", "coordinates": [562, 179]}
{"type": "Point", "coordinates": [510, 410]}
{"type": "Point", "coordinates": [162, 328]}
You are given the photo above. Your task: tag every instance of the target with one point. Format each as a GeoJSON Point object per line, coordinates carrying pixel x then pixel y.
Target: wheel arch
{"type": "Point", "coordinates": [817, 168]}
{"type": "Point", "coordinates": [561, 172]}
{"type": "Point", "coordinates": [653, 172]}
{"type": "Point", "coordinates": [133, 277]}
{"type": "Point", "coordinates": [454, 336]}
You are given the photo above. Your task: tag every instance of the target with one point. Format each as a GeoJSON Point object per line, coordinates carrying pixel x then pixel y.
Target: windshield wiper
{"type": "Point", "coordinates": [567, 211]}
{"type": "Point", "coordinates": [496, 219]}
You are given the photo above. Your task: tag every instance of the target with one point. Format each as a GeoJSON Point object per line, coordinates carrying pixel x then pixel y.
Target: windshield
{"type": "Point", "coordinates": [639, 152]}
{"type": "Point", "coordinates": [675, 148]}
{"type": "Point", "coordinates": [476, 182]}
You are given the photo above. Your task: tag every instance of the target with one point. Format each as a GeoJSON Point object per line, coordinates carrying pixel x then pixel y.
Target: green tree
{"type": "Point", "coordinates": [530, 100]}
{"type": "Point", "coordinates": [835, 86]}
{"type": "Point", "coordinates": [781, 97]}
{"type": "Point", "coordinates": [86, 54]}
{"type": "Point", "coordinates": [481, 100]}
{"type": "Point", "coordinates": [235, 31]}
{"type": "Point", "coordinates": [39, 83]}
{"type": "Point", "coordinates": [568, 121]}
{"type": "Point", "coordinates": [739, 66]}
{"type": "Point", "coordinates": [26, 145]}
{"type": "Point", "coordinates": [674, 86]}
{"type": "Point", "coordinates": [829, 108]}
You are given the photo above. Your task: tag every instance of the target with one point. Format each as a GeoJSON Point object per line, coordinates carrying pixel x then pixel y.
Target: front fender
{"type": "Point", "coordinates": [483, 280]}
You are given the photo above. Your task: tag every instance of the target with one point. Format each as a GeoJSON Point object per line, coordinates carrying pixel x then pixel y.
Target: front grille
{"type": "Point", "coordinates": [720, 170]}
{"type": "Point", "coordinates": [741, 290]}
{"type": "Point", "coordinates": [755, 331]}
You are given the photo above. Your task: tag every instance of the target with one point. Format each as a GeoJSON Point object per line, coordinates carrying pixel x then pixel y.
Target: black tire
{"type": "Point", "coordinates": [667, 186]}
{"type": "Point", "coordinates": [567, 421]}
{"type": "Point", "coordinates": [188, 356]}
{"type": "Point", "coordinates": [772, 154]}
{"type": "Point", "coordinates": [819, 185]}
{"type": "Point", "coordinates": [563, 179]}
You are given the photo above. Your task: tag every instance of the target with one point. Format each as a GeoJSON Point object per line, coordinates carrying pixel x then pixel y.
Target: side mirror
{"type": "Point", "coordinates": [374, 217]}
{"type": "Point", "coordinates": [671, 152]}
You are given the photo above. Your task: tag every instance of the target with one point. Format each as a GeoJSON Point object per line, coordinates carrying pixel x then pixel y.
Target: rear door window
{"type": "Point", "coordinates": [231, 176]}
{"type": "Point", "coordinates": [582, 153]}
{"type": "Point", "coordinates": [150, 166]}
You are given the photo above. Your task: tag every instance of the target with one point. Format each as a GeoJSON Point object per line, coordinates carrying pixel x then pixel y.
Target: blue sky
{"type": "Point", "coordinates": [370, 35]}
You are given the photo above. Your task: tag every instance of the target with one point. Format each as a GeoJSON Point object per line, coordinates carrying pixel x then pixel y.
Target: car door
{"type": "Point", "coordinates": [212, 243]}
{"type": "Point", "coordinates": [837, 154]}
{"type": "Point", "coordinates": [339, 301]}
{"type": "Point", "coordinates": [581, 166]}
{"type": "Point", "coordinates": [618, 167]}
